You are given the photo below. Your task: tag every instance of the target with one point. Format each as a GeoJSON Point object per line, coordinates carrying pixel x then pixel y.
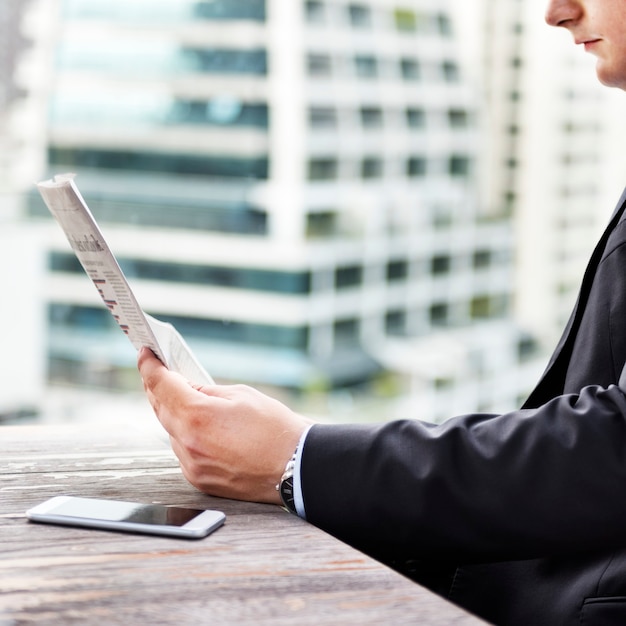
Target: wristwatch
{"type": "Point", "coordinates": [285, 485]}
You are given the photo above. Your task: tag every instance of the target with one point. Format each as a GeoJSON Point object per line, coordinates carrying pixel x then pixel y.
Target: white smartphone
{"type": "Point", "coordinates": [152, 519]}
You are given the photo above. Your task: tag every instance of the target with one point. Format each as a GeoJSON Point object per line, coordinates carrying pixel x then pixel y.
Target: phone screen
{"type": "Point", "coordinates": [131, 512]}
{"type": "Point", "coordinates": [155, 519]}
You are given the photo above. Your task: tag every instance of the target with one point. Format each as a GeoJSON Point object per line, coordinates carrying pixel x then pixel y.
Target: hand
{"type": "Point", "coordinates": [231, 440]}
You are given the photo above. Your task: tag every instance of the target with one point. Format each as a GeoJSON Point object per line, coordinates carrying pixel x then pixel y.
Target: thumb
{"type": "Point", "coordinates": [155, 375]}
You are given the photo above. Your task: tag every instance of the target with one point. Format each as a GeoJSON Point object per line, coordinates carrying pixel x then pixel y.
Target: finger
{"type": "Point", "coordinates": [168, 392]}
{"type": "Point", "coordinates": [147, 361]}
{"type": "Point", "coordinates": [154, 372]}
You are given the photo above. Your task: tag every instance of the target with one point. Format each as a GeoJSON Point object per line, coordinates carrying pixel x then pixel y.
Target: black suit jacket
{"type": "Point", "coordinates": [521, 517]}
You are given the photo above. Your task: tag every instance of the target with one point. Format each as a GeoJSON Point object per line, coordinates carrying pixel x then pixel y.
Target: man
{"type": "Point", "coordinates": [521, 517]}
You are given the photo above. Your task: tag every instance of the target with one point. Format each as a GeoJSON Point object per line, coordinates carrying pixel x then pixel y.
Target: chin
{"type": "Point", "coordinates": [611, 78]}
{"type": "Point", "coordinates": [615, 84]}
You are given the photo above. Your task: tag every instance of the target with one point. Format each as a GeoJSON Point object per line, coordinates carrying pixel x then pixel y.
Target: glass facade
{"type": "Point", "coordinates": [241, 219]}
{"type": "Point", "coordinates": [146, 12]}
{"type": "Point", "coordinates": [235, 277]}
{"type": "Point", "coordinates": [215, 166]}
{"type": "Point", "coordinates": [80, 319]}
{"type": "Point", "coordinates": [244, 333]}
{"type": "Point", "coordinates": [152, 59]}
{"type": "Point", "coordinates": [136, 110]}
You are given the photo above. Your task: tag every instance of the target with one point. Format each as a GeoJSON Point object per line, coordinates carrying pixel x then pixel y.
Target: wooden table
{"type": "Point", "coordinates": [263, 566]}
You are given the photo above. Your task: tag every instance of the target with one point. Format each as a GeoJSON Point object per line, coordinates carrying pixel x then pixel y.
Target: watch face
{"type": "Point", "coordinates": [287, 495]}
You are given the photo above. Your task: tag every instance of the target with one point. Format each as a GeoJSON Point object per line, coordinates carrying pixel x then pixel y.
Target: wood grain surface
{"type": "Point", "coordinates": [263, 566]}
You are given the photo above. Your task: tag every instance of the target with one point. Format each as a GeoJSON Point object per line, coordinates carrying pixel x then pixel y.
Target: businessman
{"type": "Point", "coordinates": [519, 517]}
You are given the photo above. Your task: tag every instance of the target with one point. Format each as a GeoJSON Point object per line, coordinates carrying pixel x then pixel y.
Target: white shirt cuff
{"type": "Point", "coordinates": [297, 485]}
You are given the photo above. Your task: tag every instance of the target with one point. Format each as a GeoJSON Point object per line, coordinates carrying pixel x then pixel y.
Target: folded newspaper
{"type": "Point", "coordinates": [71, 212]}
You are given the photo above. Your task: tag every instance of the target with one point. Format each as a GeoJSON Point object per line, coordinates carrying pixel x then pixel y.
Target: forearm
{"type": "Point", "coordinates": [518, 485]}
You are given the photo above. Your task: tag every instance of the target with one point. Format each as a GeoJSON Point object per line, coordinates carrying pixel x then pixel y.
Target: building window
{"type": "Point", "coordinates": [415, 118]}
{"type": "Point", "coordinates": [481, 259]}
{"type": "Point", "coordinates": [230, 9]}
{"type": "Point", "coordinates": [348, 276]}
{"type": "Point", "coordinates": [439, 314]}
{"type": "Point", "coordinates": [527, 347]}
{"type": "Point", "coordinates": [322, 117]}
{"type": "Point", "coordinates": [396, 323]}
{"type": "Point", "coordinates": [371, 117]}
{"type": "Point", "coordinates": [509, 200]}
{"type": "Point", "coordinates": [450, 71]}
{"type": "Point", "coordinates": [323, 169]}
{"type": "Point", "coordinates": [371, 167]}
{"type": "Point", "coordinates": [397, 270]}
{"type": "Point", "coordinates": [346, 333]}
{"type": "Point", "coordinates": [440, 264]}
{"type": "Point", "coordinates": [480, 307]}
{"type": "Point", "coordinates": [218, 112]}
{"type": "Point", "coordinates": [360, 15]}
{"type": "Point", "coordinates": [59, 262]}
{"type": "Point", "coordinates": [240, 332]}
{"type": "Point", "coordinates": [443, 384]}
{"type": "Point", "coordinates": [410, 69]}
{"type": "Point", "coordinates": [150, 60]}
{"type": "Point", "coordinates": [164, 271]}
{"type": "Point", "coordinates": [366, 66]}
{"type": "Point", "coordinates": [405, 20]}
{"type": "Point", "coordinates": [202, 165]}
{"type": "Point", "coordinates": [166, 12]}
{"type": "Point", "coordinates": [319, 65]}
{"type": "Point", "coordinates": [444, 25]}
{"type": "Point", "coordinates": [314, 11]}
{"type": "Point", "coordinates": [222, 61]}
{"type": "Point", "coordinates": [321, 224]}
{"type": "Point", "coordinates": [459, 166]}
{"type": "Point", "coordinates": [416, 167]}
{"type": "Point", "coordinates": [125, 110]}
{"type": "Point", "coordinates": [458, 118]}
{"type": "Point", "coordinates": [172, 213]}
{"type": "Point", "coordinates": [79, 317]}
{"type": "Point", "coordinates": [483, 307]}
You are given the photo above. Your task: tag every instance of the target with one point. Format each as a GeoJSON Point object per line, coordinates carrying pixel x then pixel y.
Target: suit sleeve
{"type": "Point", "coordinates": [478, 487]}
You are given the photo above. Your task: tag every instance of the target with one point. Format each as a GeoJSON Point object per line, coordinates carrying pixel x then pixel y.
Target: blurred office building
{"type": "Point", "coordinates": [293, 184]}
{"type": "Point", "coordinates": [22, 258]}
{"type": "Point", "coordinates": [13, 44]}
{"type": "Point", "coordinates": [571, 165]}
{"type": "Point", "coordinates": [554, 159]}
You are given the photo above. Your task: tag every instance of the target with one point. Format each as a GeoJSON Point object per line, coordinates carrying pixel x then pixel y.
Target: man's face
{"type": "Point", "coordinates": [599, 25]}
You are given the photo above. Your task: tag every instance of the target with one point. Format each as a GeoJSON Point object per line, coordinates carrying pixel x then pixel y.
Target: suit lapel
{"type": "Point", "coordinates": [552, 382]}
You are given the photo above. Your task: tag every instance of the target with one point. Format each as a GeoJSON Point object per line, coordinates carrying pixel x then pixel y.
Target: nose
{"type": "Point", "coordinates": [563, 12]}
